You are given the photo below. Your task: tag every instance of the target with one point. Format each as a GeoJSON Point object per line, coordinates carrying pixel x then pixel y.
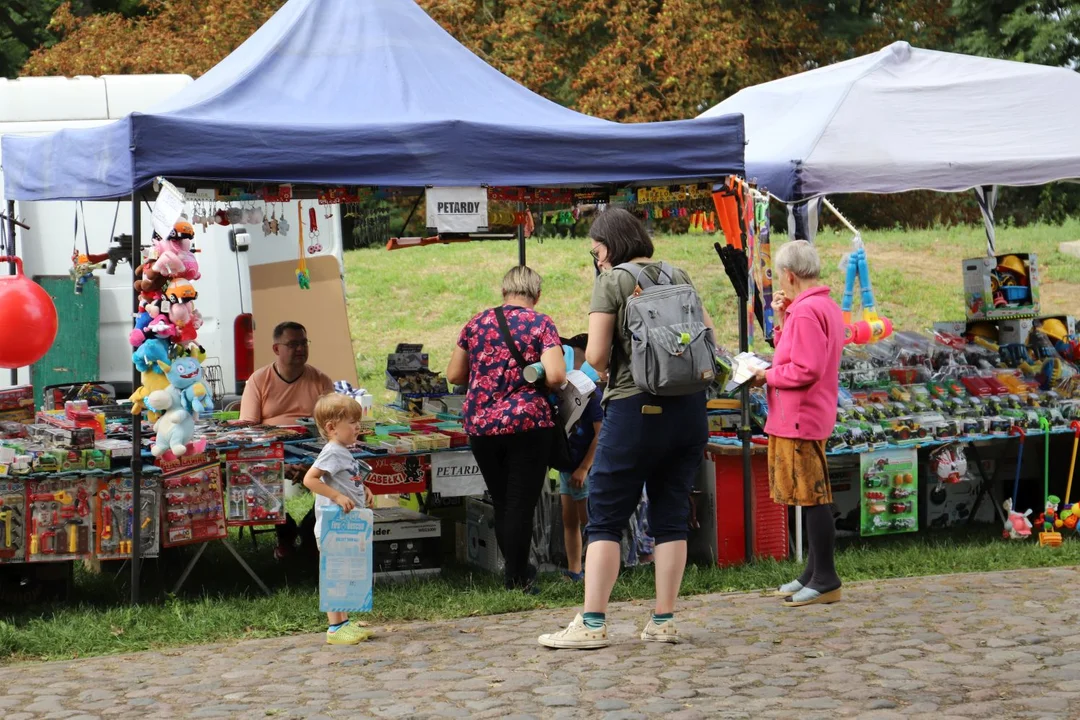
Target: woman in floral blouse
{"type": "Point", "coordinates": [508, 420]}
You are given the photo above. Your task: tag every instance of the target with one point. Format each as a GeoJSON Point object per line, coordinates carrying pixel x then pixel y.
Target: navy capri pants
{"type": "Point", "coordinates": [653, 442]}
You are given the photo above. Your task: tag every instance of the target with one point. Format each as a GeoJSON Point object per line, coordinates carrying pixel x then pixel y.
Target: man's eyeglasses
{"type": "Point", "coordinates": [296, 344]}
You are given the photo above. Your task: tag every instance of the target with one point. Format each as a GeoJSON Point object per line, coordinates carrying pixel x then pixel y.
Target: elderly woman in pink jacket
{"type": "Point", "coordinates": [803, 384]}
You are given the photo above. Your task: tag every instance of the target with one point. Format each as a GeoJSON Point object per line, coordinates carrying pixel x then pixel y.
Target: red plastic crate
{"type": "Point", "coordinates": [770, 519]}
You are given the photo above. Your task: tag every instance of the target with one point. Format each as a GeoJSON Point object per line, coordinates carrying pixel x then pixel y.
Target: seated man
{"type": "Point", "coordinates": [279, 394]}
{"type": "Point", "coordinates": [287, 388]}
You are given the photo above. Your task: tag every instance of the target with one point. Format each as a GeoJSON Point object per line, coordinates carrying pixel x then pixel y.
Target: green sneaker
{"type": "Point", "coordinates": [348, 635]}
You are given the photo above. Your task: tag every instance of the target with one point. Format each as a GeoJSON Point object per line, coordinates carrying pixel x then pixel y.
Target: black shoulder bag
{"type": "Point", "coordinates": [559, 455]}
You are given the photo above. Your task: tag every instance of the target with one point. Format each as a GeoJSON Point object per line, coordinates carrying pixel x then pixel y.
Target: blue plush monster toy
{"type": "Point", "coordinates": [150, 354]}
{"type": "Point", "coordinates": [185, 376]}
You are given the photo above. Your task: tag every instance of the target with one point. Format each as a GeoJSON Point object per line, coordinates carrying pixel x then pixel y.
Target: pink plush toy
{"type": "Point", "coordinates": [174, 256]}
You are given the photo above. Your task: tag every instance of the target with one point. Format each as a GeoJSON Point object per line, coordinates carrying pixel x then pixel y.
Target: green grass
{"type": "Point", "coordinates": [220, 603]}
{"type": "Point", "coordinates": [427, 294]}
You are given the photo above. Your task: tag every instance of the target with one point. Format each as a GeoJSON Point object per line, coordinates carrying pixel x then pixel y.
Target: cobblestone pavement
{"type": "Point", "coordinates": [990, 645]}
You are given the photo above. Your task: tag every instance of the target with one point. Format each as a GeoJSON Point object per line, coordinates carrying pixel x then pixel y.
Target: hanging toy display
{"type": "Point", "coordinates": [303, 277]}
{"type": "Point", "coordinates": [164, 339]}
{"type": "Point", "coordinates": [313, 233]}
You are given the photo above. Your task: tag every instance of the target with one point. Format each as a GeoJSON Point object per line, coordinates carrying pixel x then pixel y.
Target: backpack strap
{"type": "Point", "coordinates": [664, 276]}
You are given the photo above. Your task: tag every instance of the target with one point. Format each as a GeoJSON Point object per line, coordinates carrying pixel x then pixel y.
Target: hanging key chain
{"type": "Point", "coordinates": [313, 233]}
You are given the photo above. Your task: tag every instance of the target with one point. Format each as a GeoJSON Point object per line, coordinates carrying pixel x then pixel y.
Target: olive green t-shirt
{"type": "Point", "coordinates": [610, 293]}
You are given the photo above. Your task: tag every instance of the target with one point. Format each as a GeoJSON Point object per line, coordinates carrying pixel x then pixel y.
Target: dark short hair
{"type": "Point", "coordinates": [579, 342]}
{"type": "Point", "coordinates": [623, 234]}
{"type": "Point", "coordinates": [284, 327]}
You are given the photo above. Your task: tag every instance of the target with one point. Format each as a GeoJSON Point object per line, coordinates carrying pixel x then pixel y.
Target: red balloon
{"type": "Point", "coordinates": [28, 320]}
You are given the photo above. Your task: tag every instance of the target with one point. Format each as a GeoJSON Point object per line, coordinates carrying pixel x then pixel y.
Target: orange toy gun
{"type": "Point", "coordinates": [444, 239]}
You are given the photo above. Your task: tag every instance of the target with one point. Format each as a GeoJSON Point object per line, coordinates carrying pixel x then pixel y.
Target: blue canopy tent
{"type": "Point", "coordinates": [370, 92]}
{"type": "Point", "coordinates": [362, 93]}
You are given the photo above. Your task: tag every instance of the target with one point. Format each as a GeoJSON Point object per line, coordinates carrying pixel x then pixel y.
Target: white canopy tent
{"type": "Point", "coordinates": [905, 118]}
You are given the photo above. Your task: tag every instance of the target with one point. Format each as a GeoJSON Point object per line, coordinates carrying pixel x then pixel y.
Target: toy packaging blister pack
{"type": "Point", "coordinates": [12, 521]}
{"type": "Point", "coordinates": [115, 519]}
{"type": "Point", "coordinates": [255, 486]}
{"type": "Point", "coordinates": [192, 509]}
{"type": "Point", "coordinates": [346, 559]}
{"type": "Point", "coordinates": [60, 519]}
{"type": "Point", "coordinates": [890, 491]}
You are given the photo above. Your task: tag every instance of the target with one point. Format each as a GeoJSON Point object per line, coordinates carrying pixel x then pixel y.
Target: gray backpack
{"type": "Point", "coordinates": [672, 351]}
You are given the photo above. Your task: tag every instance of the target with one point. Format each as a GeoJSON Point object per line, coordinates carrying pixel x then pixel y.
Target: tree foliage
{"type": "Point", "coordinates": [1037, 31]}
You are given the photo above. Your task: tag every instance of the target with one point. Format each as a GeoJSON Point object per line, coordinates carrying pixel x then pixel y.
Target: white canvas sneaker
{"type": "Point", "coordinates": [576, 636]}
{"type": "Point", "coordinates": [665, 633]}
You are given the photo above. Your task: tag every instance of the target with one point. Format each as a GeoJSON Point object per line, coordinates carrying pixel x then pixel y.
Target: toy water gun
{"type": "Point", "coordinates": [872, 327]}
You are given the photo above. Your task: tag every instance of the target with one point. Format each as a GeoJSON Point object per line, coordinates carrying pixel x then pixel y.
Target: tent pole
{"type": "Point", "coordinates": [987, 199]}
{"type": "Point", "coordinates": [136, 425]}
{"type": "Point", "coordinates": [744, 435]}
{"type": "Point", "coordinates": [10, 250]}
{"type": "Point", "coordinates": [521, 236]}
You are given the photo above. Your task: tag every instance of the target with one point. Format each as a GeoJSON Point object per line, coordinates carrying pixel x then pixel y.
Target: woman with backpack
{"type": "Point", "coordinates": [651, 440]}
{"type": "Point", "coordinates": [510, 421]}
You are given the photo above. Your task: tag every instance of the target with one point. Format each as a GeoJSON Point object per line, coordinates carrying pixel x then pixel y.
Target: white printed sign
{"type": "Point", "coordinates": [456, 474]}
{"type": "Point", "coordinates": [457, 209]}
{"type": "Point", "coordinates": [168, 208]}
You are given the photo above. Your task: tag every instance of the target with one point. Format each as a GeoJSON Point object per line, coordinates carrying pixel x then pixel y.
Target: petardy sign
{"type": "Point", "coordinates": [456, 474]}
{"type": "Point", "coordinates": [457, 209]}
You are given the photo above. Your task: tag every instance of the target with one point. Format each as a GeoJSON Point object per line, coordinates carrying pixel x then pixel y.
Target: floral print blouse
{"type": "Point", "coordinates": [499, 401]}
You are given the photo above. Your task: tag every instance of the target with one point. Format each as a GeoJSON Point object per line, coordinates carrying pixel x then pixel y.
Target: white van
{"type": "Point", "coordinates": [37, 105]}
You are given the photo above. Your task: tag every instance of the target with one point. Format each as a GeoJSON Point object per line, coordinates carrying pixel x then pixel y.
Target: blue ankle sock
{"type": "Point", "coordinates": [335, 628]}
{"type": "Point", "coordinates": [662, 618]}
{"type": "Point", "coordinates": [594, 621]}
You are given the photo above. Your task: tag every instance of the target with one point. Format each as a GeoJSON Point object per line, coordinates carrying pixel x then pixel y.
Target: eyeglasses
{"type": "Point", "coordinates": [595, 252]}
{"type": "Point", "coordinates": [296, 344]}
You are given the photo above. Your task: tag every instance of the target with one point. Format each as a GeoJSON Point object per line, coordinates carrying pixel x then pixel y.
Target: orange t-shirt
{"type": "Point", "coordinates": [270, 400]}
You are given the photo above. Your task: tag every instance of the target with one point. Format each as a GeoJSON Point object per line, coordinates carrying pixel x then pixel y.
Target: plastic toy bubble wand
{"type": "Point", "coordinates": [303, 277]}
{"type": "Point", "coordinates": [1075, 426]}
{"type": "Point", "coordinates": [1017, 430]}
{"type": "Point", "coordinates": [871, 327]}
{"type": "Point", "coordinates": [1044, 425]}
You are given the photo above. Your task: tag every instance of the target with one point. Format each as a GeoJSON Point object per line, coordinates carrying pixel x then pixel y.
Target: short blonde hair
{"type": "Point", "coordinates": [333, 408]}
{"type": "Point", "coordinates": [522, 281]}
{"type": "Point", "coordinates": [801, 258]}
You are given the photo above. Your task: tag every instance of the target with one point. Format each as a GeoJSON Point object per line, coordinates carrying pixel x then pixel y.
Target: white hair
{"type": "Point", "coordinates": [801, 258]}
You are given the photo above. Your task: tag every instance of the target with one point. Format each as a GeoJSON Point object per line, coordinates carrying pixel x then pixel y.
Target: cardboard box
{"type": "Point", "coordinates": [1015, 332]}
{"type": "Point", "coordinates": [20, 397]}
{"type": "Point", "coordinates": [448, 510]}
{"type": "Point", "coordinates": [407, 544]}
{"type": "Point", "coordinates": [981, 300]}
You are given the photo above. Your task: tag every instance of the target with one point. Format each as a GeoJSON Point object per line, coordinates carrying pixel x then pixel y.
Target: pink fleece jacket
{"type": "Point", "coordinates": [804, 380]}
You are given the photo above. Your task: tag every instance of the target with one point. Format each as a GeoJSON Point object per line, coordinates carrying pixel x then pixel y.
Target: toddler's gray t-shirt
{"type": "Point", "coordinates": [341, 471]}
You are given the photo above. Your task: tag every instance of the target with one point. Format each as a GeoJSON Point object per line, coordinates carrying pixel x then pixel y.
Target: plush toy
{"type": "Point", "coordinates": [189, 349]}
{"type": "Point", "coordinates": [147, 355]}
{"type": "Point", "coordinates": [138, 334]}
{"type": "Point", "coordinates": [181, 295]}
{"type": "Point", "coordinates": [148, 280]}
{"type": "Point", "coordinates": [174, 256]}
{"type": "Point", "coordinates": [185, 380]}
{"type": "Point", "coordinates": [152, 381]}
{"type": "Point", "coordinates": [189, 331]}
{"type": "Point", "coordinates": [175, 428]}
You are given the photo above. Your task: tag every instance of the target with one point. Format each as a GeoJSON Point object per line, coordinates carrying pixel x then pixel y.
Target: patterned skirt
{"type": "Point", "coordinates": [799, 472]}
